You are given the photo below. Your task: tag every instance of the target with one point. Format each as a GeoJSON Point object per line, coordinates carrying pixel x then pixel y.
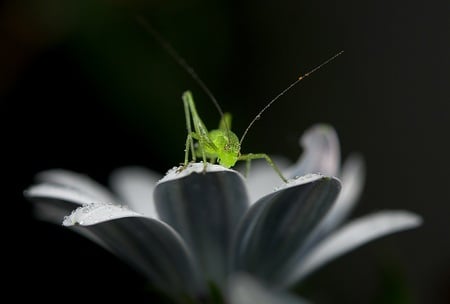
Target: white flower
{"type": "Point", "coordinates": [196, 230]}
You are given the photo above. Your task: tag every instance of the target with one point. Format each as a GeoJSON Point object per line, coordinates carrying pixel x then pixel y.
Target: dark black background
{"type": "Point", "coordinates": [83, 87]}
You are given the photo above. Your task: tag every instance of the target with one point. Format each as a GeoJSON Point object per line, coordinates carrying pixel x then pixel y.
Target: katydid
{"type": "Point", "coordinates": [219, 145]}
{"type": "Point", "coordinates": [222, 145]}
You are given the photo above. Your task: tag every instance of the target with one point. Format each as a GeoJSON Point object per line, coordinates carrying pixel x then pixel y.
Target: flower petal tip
{"type": "Point", "coordinates": [305, 179]}
{"type": "Point", "coordinates": [96, 213]}
{"type": "Point", "coordinates": [414, 220]}
{"type": "Point", "coordinates": [183, 171]}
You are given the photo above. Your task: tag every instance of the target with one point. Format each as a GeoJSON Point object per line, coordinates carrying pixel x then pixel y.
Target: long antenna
{"type": "Point", "coordinates": [178, 59]}
{"type": "Point", "coordinates": [258, 116]}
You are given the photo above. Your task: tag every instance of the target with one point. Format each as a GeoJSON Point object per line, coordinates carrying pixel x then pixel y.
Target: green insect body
{"type": "Point", "coordinates": [219, 145]}
{"type": "Point", "coordinates": [226, 147]}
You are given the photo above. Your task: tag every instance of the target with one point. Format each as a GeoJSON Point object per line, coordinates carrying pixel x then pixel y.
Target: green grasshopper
{"type": "Point", "coordinates": [219, 145]}
{"type": "Point", "coordinates": [222, 145]}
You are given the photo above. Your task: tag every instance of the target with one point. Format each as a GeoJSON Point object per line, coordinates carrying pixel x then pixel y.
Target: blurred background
{"type": "Point", "coordinates": [84, 87]}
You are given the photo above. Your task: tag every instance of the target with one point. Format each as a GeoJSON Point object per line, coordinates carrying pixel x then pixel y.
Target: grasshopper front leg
{"type": "Point", "coordinates": [189, 147]}
{"type": "Point", "coordinates": [189, 139]}
{"type": "Point", "coordinates": [199, 132]}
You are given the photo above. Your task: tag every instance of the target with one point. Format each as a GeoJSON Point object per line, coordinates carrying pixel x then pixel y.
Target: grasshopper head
{"type": "Point", "coordinates": [228, 147]}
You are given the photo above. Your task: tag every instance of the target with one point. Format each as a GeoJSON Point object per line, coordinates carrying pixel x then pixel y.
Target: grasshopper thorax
{"type": "Point", "coordinates": [227, 147]}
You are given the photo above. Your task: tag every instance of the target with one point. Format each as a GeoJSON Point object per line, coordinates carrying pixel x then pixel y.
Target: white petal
{"type": "Point", "coordinates": [149, 245]}
{"type": "Point", "coordinates": [352, 177]}
{"type": "Point", "coordinates": [53, 202]}
{"type": "Point", "coordinates": [262, 178]}
{"type": "Point", "coordinates": [77, 181]}
{"type": "Point", "coordinates": [302, 180]}
{"type": "Point", "coordinates": [49, 191]}
{"type": "Point", "coordinates": [96, 213]}
{"type": "Point", "coordinates": [180, 172]}
{"type": "Point", "coordinates": [205, 209]}
{"type": "Point", "coordinates": [353, 235]}
{"type": "Point", "coordinates": [276, 227]}
{"type": "Point", "coordinates": [245, 290]}
{"type": "Point", "coordinates": [135, 186]}
{"type": "Point", "coordinates": [321, 152]}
